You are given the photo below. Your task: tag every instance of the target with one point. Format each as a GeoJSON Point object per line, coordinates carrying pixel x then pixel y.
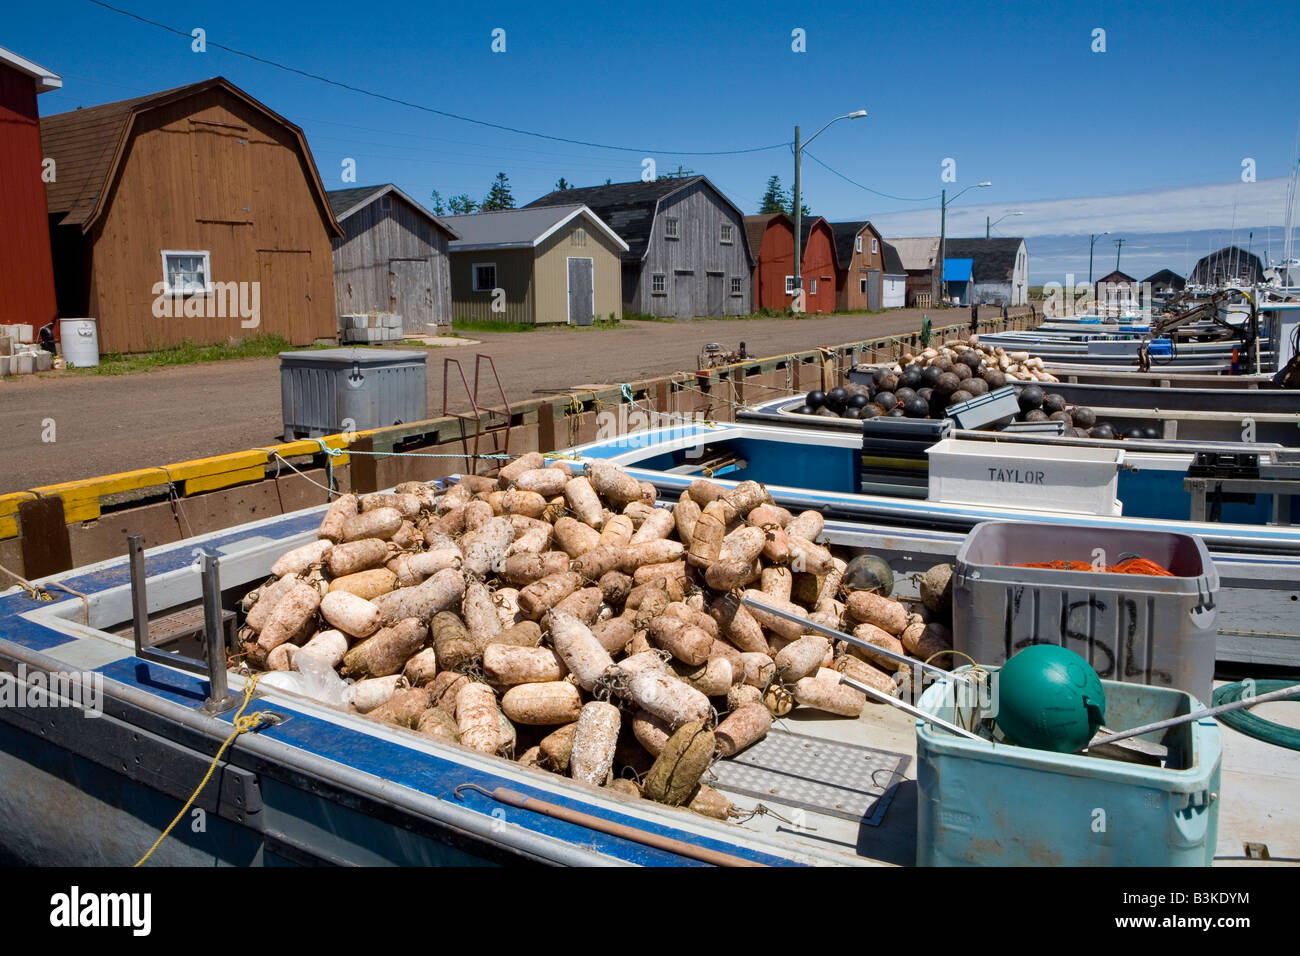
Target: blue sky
{"type": "Point", "coordinates": [1013, 93]}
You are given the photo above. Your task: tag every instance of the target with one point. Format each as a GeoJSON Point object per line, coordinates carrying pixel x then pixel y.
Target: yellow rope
{"type": "Point", "coordinates": [242, 725]}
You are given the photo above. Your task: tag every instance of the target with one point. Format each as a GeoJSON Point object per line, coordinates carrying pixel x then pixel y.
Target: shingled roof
{"type": "Point", "coordinates": [756, 228]}
{"type": "Point", "coordinates": [893, 264]}
{"type": "Point", "coordinates": [345, 202]}
{"type": "Point", "coordinates": [1167, 276]}
{"type": "Point", "coordinates": [845, 235]}
{"type": "Point", "coordinates": [918, 254]}
{"type": "Point", "coordinates": [995, 259]}
{"type": "Point", "coordinates": [630, 208]}
{"type": "Point", "coordinates": [520, 228]}
{"type": "Point", "coordinates": [88, 145]}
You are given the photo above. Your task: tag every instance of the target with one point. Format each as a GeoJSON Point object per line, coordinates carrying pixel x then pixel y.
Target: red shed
{"type": "Point", "coordinates": [26, 270]}
{"type": "Point", "coordinates": [771, 240]}
{"type": "Point", "coordinates": [819, 266]}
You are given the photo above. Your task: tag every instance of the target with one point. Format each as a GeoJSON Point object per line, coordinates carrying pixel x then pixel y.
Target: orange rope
{"type": "Point", "coordinates": [1130, 566]}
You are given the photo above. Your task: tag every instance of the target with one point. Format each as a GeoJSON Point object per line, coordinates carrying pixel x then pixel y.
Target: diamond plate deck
{"type": "Point", "coordinates": [824, 776]}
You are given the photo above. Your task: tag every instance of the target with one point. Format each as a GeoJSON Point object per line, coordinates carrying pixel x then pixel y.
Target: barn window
{"type": "Point", "coordinates": [580, 237]}
{"type": "Point", "coordinates": [789, 285]}
{"type": "Point", "coordinates": [725, 237]}
{"type": "Point", "coordinates": [659, 284]}
{"type": "Point", "coordinates": [862, 285]}
{"type": "Point", "coordinates": [485, 276]}
{"type": "Point", "coordinates": [385, 203]}
{"type": "Point", "coordinates": [875, 246]}
{"type": "Point", "coordinates": [735, 286]}
{"type": "Point", "coordinates": [812, 286]}
{"type": "Point", "coordinates": [857, 246]}
{"type": "Point", "coordinates": [670, 227]}
{"type": "Point", "coordinates": [186, 272]}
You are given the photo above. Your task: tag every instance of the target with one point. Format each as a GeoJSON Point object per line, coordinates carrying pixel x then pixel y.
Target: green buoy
{"type": "Point", "coordinates": [1049, 698]}
{"type": "Point", "coordinates": [869, 572]}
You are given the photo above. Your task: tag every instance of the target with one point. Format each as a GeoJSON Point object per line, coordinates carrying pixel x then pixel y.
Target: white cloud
{"type": "Point", "coordinates": [1185, 208]}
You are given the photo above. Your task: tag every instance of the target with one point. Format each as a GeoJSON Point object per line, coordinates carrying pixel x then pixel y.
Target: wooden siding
{"type": "Point", "coordinates": [211, 173]}
{"type": "Point", "coordinates": [551, 277]}
{"type": "Point", "coordinates": [819, 264]}
{"type": "Point", "coordinates": [514, 274]}
{"type": "Point", "coordinates": [849, 295]}
{"type": "Point", "coordinates": [775, 262]}
{"type": "Point", "coordinates": [26, 270]}
{"type": "Point", "coordinates": [373, 238]}
{"type": "Point", "coordinates": [687, 261]}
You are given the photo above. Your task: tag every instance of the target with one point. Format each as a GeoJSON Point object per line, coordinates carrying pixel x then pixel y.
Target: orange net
{"type": "Point", "coordinates": [1128, 566]}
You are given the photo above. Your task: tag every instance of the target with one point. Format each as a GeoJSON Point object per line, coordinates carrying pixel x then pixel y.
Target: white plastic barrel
{"type": "Point", "coordinates": [80, 341]}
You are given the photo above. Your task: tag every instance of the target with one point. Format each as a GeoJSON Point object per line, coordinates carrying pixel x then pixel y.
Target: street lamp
{"type": "Point", "coordinates": [798, 199]}
{"type": "Point", "coordinates": [943, 230]}
{"type": "Point", "coordinates": [1092, 241]}
{"type": "Point", "coordinates": [989, 226]}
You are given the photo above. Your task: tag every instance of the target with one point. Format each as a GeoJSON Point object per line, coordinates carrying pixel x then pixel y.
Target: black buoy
{"type": "Point", "coordinates": [1053, 403]}
{"type": "Point", "coordinates": [1084, 417]}
{"type": "Point", "coordinates": [1031, 396]}
{"type": "Point", "coordinates": [836, 399]}
{"type": "Point", "coordinates": [886, 400]}
{"type": "Point", "coordinates": [1035, 415]}
{"type": "Point", "coordinates": [805, 410]}
{"type": "Point", "coordinates": [1150, 431]}
{"type": "Point", "coordinates": [916, 407]}
{"type": "Point", "coordinates": [930, 376]}
{"type": "Point", "coordinates": [1102, 431]}
{"type": "Point", "coordinates": [858, 400]}
{"type": "Point", "coordinates": [816, 399]}
{"type": "Point", "coordinates": [894, 413]}
{"type": "Point", "coordinates": [903, 394]}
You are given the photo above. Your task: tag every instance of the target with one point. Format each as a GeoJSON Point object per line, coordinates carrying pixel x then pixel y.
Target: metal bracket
{"type": "Point", "coordinates": [214, 667]}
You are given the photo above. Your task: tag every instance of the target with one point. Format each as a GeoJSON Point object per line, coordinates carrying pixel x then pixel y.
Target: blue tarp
{"type": "Point", "coordinates": [957, 270]}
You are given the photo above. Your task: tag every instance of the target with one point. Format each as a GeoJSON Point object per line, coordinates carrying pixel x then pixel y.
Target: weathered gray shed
{"type": "Point", "coordinates": [392, 257]}
{"type": "Point", "coordinates": [688, 253]}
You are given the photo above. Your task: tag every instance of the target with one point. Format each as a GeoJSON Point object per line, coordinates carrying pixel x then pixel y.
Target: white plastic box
{"type": "Point", "coordinates": [1020, 475]}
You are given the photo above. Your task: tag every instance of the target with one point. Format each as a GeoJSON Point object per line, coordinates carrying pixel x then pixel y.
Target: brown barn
{"type": "Point", "coordinates": [818, 253]}
{"type": "Point", "coordinates": [194, 214]}
{"type": "Point", "coordinates": [25, 273]}
{"type": "Point", "coordinates": [860, 254]}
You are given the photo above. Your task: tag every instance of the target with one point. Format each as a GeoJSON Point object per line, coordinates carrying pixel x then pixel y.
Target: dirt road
{"type": "Point", "coordinates": [103, 424]}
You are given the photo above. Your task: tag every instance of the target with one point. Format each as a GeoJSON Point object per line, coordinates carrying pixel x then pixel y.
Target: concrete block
{"type": "Point", "coordinates": [6, 345]}
{"type": "Point", "coordinates": [390, 320]}
{"type": "Point", "coordinates": [24, 364]}
{"type": "Point", "coordinates": [43, 360]}
{"type": "Point", "coordinates": [25, 333]}
{"type": "Point", "coordinates": [6, 365]}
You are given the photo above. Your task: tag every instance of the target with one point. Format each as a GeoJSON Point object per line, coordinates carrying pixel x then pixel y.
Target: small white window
{"type": "Point", "coordinates": [485, 276]}
{"type": "Point", "coordinates": [725, 237]}
{"type": "Point", "coordinates": [789, 285]}
{"type": "Point", "coordinates": [875, 246]}
{"type": "Point", "coordinates": [862, 284]}
{"type": "Point", "coordinates": [658, 284]}
{"type": "Point", "coordinates": [670, 227]}
{"type": "Point", "coordinates": [735, 286]}
{"type": "Point", "coordinates": [186, 272]}
{"type": "Point", "coordinates": [857, 246]}
{"type": "Point", "coordinates": [812, 286]}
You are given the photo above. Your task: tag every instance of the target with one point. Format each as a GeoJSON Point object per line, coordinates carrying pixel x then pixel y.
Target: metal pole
{"type": "Point", "coordinates": [139, 600]}
{"type": "Point", "coordinates": [914, 711]}
{"type": "Point", "coordinates": [1092, 242]}
{"type": "Point", "coordinates": [943, 225]}
{"type": "Point", "coordinates": [1285, 693]}
{"type": "Point", "coordinates": [218, 689]}
{"type": "Point", "coordinates": [798, 224]}
{"type": "Point", "coordinates": [986, 226]}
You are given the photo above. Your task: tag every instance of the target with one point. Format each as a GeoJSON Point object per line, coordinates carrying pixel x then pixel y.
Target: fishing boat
{"type": "Point", "coordinates": [1254, 544]}
{"type": "Point", "coordinates": [1219, 417]}
{"type": "Point", "coordinates": [125, 727]}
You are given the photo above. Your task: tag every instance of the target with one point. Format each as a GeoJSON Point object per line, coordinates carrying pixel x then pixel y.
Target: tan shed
{"type": "Point", "coordinates": [194, 214]}
{"type": "Point", "coordinates": [550, 265]}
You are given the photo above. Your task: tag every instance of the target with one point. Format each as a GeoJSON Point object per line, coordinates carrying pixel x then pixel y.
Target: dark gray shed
{"type": "Point", "coordinates": [392, 257]}
{"type": "Point", "coordinates": [688, 253]}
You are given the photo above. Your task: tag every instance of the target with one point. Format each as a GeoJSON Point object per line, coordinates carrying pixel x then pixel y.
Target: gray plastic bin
{"type": "Point", "coordinates": [1131, 627]}
{"type": "Point", "coordinates": [325, 392]}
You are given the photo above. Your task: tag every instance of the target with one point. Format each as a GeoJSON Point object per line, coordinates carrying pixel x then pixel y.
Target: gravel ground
{"type": "Point", "coordinates": [106, 424]}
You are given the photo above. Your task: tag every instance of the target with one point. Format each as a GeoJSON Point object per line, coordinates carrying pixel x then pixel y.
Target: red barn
{"type": "Point", "coordinates": [819, 266]}
{"type": "Point", "coordinates": [26, 270]}
{"type": "Point", "coordinates": [771, 240]}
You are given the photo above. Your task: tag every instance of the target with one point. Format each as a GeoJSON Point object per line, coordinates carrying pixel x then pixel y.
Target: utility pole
{"type": "Point", "coordinates": [943, 230]}
{"type": "Point", "coordinates": [1119, 247]}
{"type": "Point", "coordinates": [798, 223]}
{"type": "Point", "coordinates": [1092, 241]}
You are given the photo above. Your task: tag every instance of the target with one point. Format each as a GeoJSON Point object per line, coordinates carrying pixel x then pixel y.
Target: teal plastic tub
{"type": "Point", "coordinates": [985, 804]}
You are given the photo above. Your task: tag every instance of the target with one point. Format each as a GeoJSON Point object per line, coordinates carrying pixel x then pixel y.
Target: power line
{"type": "Point", "coordinates": [858, 184]}
{"type": "Point", "coordinates": [429, 109]}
